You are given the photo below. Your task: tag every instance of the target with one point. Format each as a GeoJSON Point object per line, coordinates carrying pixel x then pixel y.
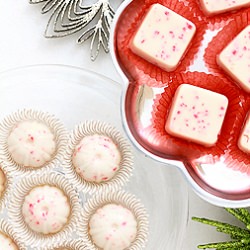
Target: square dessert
{"type": "Point", "coordinates": [196, 114]}
{"type": "Point", "coordinates": [163, 37]}
{"type": "Point", "coordinates": [235, 59]}
{"type": "Point", "coordinates": [244, 139]}
{"type": "Point", "coordinates": [211, 7]}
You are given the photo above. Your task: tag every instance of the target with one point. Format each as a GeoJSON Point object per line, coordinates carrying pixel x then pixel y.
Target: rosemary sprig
{"type": "Point", "coordinates": [225, 245]}
{"type": "Point", "coordinates": [240, 236]}
{"type": "Point", "coordinates": [241, 214]}
{"type": "Point", "coordinates": [71, 16]}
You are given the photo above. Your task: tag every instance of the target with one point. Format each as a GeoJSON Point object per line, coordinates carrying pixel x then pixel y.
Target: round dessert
{"type": "Point", "coordinates": [7, 243]}
{"type": "Point", "coordinates": [46, 209]}
{"type": "Point", "coordinates": [2, 182]}
{"type": "Point", "coordinates": [113, 227]}
{"type": "Point", "coordinates": [96, 158]}
{"type": "Point", "coordinates": [31, 143]}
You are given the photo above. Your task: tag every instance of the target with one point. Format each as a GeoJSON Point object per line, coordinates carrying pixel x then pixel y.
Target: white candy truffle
{"type": "Point", "coordinates": [96, 158]}
{"type": "Point", "coordinates": [113, 227]}
{"type": "Point", "coordinates": [46, 209]}
{"type": "Point", "coordinates": [31, 143]}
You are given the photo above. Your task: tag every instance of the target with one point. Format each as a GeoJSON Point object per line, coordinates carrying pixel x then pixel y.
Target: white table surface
{"type": "Point", "coordinates": [22, 43]}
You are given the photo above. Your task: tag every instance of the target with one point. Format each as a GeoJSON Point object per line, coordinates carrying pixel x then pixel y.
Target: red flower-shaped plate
{"type": "Point", "coordinates": [215, 173]}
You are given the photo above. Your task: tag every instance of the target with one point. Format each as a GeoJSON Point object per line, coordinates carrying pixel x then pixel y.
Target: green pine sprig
{"type": "Point", "coordinates": [240, 237]}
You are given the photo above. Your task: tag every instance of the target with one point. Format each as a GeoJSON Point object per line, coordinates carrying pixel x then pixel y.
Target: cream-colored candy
{"type": "Point", "coordinates": [113, 227]}
{"type": "Point", "coordinates": [7, 243]}
{"type": "Point", "coordinates": [163, 37]}
{"type": "Point", "coordinates": [31, 143]}
{"type": "Point", "coordinates": [96, 158]}
{"type": "Point", "coordinates": [46, 209]}
{"type": "Point", "coordinates": [235, 59]}
{"type": "Point", "coordinates": [196, 114]}
{"type": "Point", "coordinates": [211, 7]}
{"type": "Point", "coordinates": [244, 139]}
{"type": "Point", "coordinates": [2, 182]}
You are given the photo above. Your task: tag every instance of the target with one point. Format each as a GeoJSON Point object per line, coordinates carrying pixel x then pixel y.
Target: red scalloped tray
{"type": "Point", "coordinates": [218, 173]}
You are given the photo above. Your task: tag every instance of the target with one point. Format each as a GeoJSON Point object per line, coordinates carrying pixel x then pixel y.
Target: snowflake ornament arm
{"type": "Point", "coordinates": [71, 16]}
{"type": "Point", "coordinates": [48, 4]}
{"type": "Point", "coordinates": [99, 32]}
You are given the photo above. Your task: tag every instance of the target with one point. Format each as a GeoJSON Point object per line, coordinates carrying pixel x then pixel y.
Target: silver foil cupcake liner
{"type": "Point", "coordinates": [124, 199]}
{"type": "Point", "coordinates": [7, 229]}
{"type": "Point", "coordinates": [54, 124]}
{"type": "Point", "coordinates": [66, 245]}
{"type": "Point", "coordinates": [8, 184]}
{"type": "Point", "coordinates": [126, 164]}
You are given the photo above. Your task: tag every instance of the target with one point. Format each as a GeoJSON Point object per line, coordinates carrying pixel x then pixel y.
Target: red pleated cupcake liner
{"type": "Point", "coordinates": [241, 165]}
{"type": "Point", "coordinates": [237, 158]}
{"type": "Point", "coordinates": [125, 166]}
{"type": "Point", "coordinates": [155, 81]}
{"type": "Point", "coordinates": [215, 21]}
{"type": "Point", "coordinates": [222, 39]}
{"type": "Point", "coordinates": [128, 23]}
{"type": "Point", "coordinates": [189, 149]}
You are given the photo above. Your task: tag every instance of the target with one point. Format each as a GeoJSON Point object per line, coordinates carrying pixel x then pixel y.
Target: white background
{"type": "Point", "coordinates": [22, 43]}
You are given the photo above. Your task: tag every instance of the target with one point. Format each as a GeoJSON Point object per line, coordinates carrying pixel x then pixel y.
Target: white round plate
{"type": "Point", "coordinates": [74, 95]}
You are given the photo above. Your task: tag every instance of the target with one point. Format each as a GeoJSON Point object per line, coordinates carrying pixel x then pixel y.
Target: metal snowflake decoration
{"type": "Point", "coordinates": [71, 16]}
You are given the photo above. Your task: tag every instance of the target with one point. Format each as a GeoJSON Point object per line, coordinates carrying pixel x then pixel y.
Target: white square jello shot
{"type": "Point", "coordinates": [235, 59]}
{"type": "Point", "coordinates": [244, 139]}
{"type": "Point", "coordinates": [163, 37]}
{"type": "Point", "coordinates": [212, 7]}
{"type": "Point", "coordinates": [196, 114]}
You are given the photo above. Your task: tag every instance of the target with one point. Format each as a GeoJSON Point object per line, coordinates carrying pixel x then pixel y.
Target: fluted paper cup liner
{"type": "Point", "coordinates": [67, 245]}
{"type": "Point", "coordinates": [6, 186]}
{"type": "Point", "coordinates": [162, 103]}
{"type": "Point", "coordinates": [123, 199]}
{"type": "Point", "coordinates": [6, 230]}
{"type": "Point", "coordinates": [222, 39]}
{"type": "Point", "coordinates": [31, 154]}
{"type": "Point", "coordinates": [236, 158]}
{"type": "Point", "coordinates": [121, 172]}
{"type": "Point", "coordinates": [128, 23]}
{"type": "Point", "coordinates": [21, 226]}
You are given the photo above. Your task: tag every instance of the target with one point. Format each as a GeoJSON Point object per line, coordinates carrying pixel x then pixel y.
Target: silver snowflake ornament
{"type": "Point", "coordinates": [71, 16]}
